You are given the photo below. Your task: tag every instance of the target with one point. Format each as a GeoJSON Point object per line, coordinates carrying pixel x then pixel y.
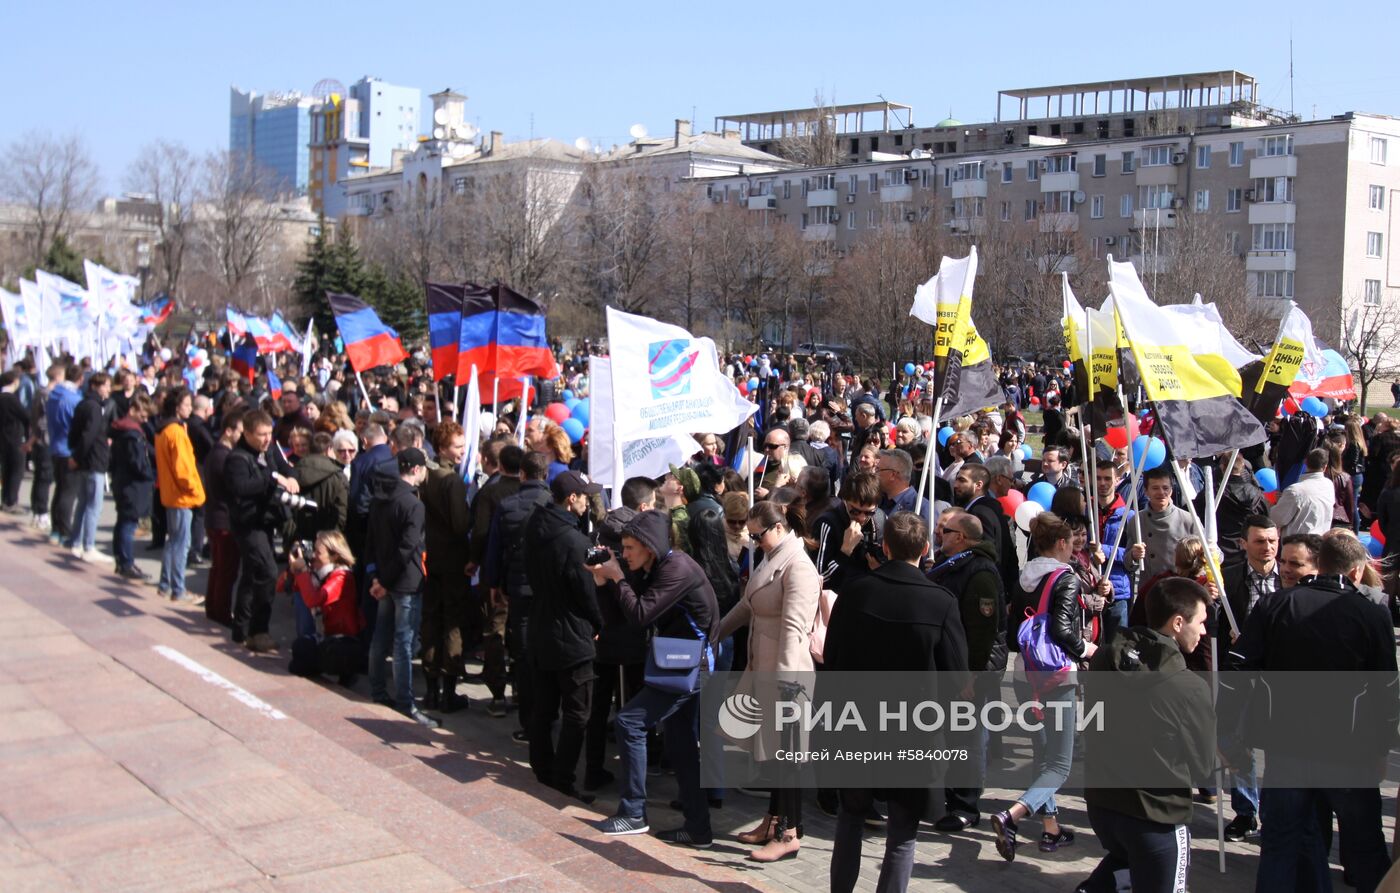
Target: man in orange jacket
{"type": "Point", "coordinates": [181, 491]}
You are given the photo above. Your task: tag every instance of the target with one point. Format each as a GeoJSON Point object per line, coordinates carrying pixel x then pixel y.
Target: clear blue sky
{"type": "Point", "coordinates": [124, 74]}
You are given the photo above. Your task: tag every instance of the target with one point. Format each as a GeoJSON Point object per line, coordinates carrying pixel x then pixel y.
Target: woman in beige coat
{"type": "Point", "coordinates": [778, 607]}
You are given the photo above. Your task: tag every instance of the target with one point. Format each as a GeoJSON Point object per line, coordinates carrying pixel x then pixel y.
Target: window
{"type": "Point", "coordinates": [1155, 196]}
{"type": "Point", "coordinates": [1273, 284]}
{"type": "Point", "coordinates": [1377, 150]}
{"type": "Point", "coordinates": [459, 185]}
{"type": "Point", "coordinates": [970, 170]}
{"type": "Point", "coordinates": [1272, 237]}
{"type": "Point", "coordinates": [1272, 189]}
{"type": "Point", "coordinates": [787, 189]}
{"type": "Point", "coordinates": [1129, 162]}
{"type": "Point", "coordinates": [923, 178]}
{"type": "Point", "coordinates": [1271, 146]}
{"type": "Point", "coordinates": [1059, 202]}
{"type": "Point", "coordinates": [1156, 156]}
{"type": "Point", "coordinates": [871, 220]}
{"type": "Point", "coordinates": [1006, 210]}
{"type": "Point", "coordinates": [1202, 157]}
{"type": "Point", "coordinates": [1234, 199]}
{"type": "Point", "coordinates": [1125, 205]}
{"type": "Point", "coordinates": [1374, 243]}
{"type": "Point", "coordinates": [1237, 154]}
{"type": "Point", "coordinates": [1100, 165]}
{"type": "Point", "coordinates": [854, 184]}
{"type": "Point", "coordinates": [1061, 164]}
{"type": "Point", "coordinates": [805, 187]}
{"type": "Point", "coordinates": [1006, 172]}
{"type": "Point", "coordinates": [855, 146]}
{"type": "Point", "coordinates": [1377, 199]}
{"type": "Point", "coordinates": [1372, 294]}
{"type": "Point", "coordinates": [1202, 199]}
{"type": "Point", "coordinates": [969, 207]}
{"type": "Point", "coordinates": [1032, 209]}
{"type": "Point", "coordinates": [874, 183]}
{"type": "Point", "coordinates": [1033, 169]}
{"type": "Point", "coordinates": [1096, 207]}
{"type": "Point", "coordinates": [874, 144]}
{"type": "Point", "coordinates": [1232, 243]}
{"type": "Point", "coordinates": [804, 220]}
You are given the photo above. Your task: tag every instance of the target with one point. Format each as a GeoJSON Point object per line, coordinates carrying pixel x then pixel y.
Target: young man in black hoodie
{"type": "Point", "coordinates": [88, 440]}
{"type": "Point", "coordinates": [563, 624]}
{"type": "Point", "coordinates": [1157, 742]}
{"type": "Point", "coordinates": [665, 589]}
{"type": "Point", "coordinates": [395, 572]}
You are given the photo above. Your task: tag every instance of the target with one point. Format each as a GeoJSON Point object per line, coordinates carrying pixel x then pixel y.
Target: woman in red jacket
{"type": "Point", "coordinates": [326, 583]}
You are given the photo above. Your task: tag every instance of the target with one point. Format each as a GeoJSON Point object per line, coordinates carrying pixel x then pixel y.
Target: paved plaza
{"type": "Point", "coordinates": [140, 750]}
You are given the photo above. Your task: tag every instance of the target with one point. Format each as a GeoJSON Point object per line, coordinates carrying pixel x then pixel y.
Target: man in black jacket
{"type": "Point", "coordinates": [564, 621]}
{"type": "Point", "coordinates": [665, 589]}
{"type": "Point", "coordinates": [1157, 741]}
{"type": "Point", "coordinates": [892, 620]}
{"type": "Point", "coordinates": [971, 492]}
{"type": "Point", "coordinates": [848, 533]}
{"type": "Point", "coordinates": [14, 431]}
{"type": "Point", "coordinates": [510, 600]}
{"type": "Point", "coordinates": [92, 452]}
{"type": "Point", "coordinates": [395, 571]}
{"type": "Point", "coordinates": [253, 477]}
{"type": "Point", "coordinates": [1323, 624]}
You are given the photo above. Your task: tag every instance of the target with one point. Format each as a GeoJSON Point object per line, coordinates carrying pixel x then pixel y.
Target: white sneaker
{"type": "Point", "coordinates": [43, 523]}
{"type": "Point", "coordinates": [92, 556]}
{"type": "Point", "coordinates": [76, 552]}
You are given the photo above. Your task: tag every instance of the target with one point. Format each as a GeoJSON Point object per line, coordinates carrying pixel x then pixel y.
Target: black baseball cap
{"type": "Point", "coordinates": [570, 482]}
{"type": "Point", "coordinates": [410, 459]}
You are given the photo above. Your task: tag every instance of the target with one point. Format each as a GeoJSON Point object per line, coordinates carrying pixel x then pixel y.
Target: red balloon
{"type": "Point", "coordinates": [556, 413]}
{"type": "Point", "coordinates": [1376, 533]}
{"type": "Point", "coordinates": [1119, 438]}
{"type": "Point", "coordinates": [1272, 496]}
{"type": "Point", "coordinates": [744, 388]}
{"type": "Point", "coordinates": [1010, 501]}
{"type": "Point", "coordinates": [1035, 401]}
{"type": "Point", "coordinates": [1291, 406]}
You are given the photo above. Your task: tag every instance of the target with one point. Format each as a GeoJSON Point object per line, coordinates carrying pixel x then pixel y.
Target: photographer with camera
{"type": "Point", "coordinates": [257, 482]}
{"type": "Point", "coordinates": [325, 581]}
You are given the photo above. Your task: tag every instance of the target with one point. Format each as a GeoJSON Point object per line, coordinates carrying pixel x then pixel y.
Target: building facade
{"type": "Point", "coordinates": [354, 130]}
{"type": "Point", "coordinates": [273, 130]}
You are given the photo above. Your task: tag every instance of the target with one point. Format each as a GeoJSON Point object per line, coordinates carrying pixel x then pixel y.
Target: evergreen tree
{"type": "Point", "coordinates": [62, 260]}
{"type": "Point", "coordinates": [399, 301]}
{"type": "Point", "coordinates": [329, 266]}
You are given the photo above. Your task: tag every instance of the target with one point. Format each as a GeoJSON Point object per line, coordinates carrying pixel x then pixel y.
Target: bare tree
{"type": "Point", "coordinates": [237, 224]}
{"type": "Point", "coordinates": [409, 238]}
{"type": "Point", "coordinates": [1197, 256]}
{"type": "Point", "coordinates": [523, 227]}
{"type": "Point", "coordinates": [169, 174]}
{"type": "Point", "coordinates": [53, 179]}
{"type": "Point", "coordinates": [813, 141]}
{"type": "Point", "coordinates": [683, 290]}
{"type": "Point", "coordinates": [1370, 342]}
{"type": "Point", "coordinates": [621, 233]}
{"type": "Point", "coordinates": [870, 295]}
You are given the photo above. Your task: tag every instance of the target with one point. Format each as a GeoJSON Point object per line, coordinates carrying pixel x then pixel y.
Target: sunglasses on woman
{"type": "Point", "coordinates": [757, 537]}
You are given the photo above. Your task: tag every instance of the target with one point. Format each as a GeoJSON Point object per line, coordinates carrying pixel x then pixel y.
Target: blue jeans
{"type": "Point", "coordinates": [1356, 481]}
{"type": "Point", "coordinates": [1052, 751]}
{"type": "Point", "coordinates": [177, 550]}
{"type": "Point", "coordinates": [1115, 616]}
{"type": "Point", "coordinates": [89, 492]}
{"type": "Point", "coordinates": [395, 629]}
{"type": "Point", "coordinates": [677, 715]}
{"type": "Point", "coordinates": [305, 620]}
{"type": "Point", "coordinates": [1244, 790]}
{"type": "Point", "coordinates": [123, 539]}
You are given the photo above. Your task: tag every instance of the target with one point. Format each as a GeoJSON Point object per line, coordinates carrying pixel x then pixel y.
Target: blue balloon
{"type": "Point", "coordinates": [573, 428]}
{"type": "Point", "coordinates": [1314, 407]}
{"type": "Point", "coordinates": [1026, 452]}
{"type": "Point", "coordinates": [581, 413]}
{"type": "Point", "coordinates": [753, 364]}
{"type": "Point", "coordinates": [753, 383]}
{"type": "Point", "coordinates": [570, 403]}
{"type": "Point", "coordinates": [943, 435]}
{"type": "Point", "coordinates": [1042, 493]}
{"type": "Point", "coordinates": [1375, 547]}
{"type": "Point", "coordinates": [908, 368]}
{"type": "Point", "coordinates": [1156, 451]}
{"type": "Point", "coordinates": [1267, 479]}
{"type": "Point", "coordinates": [568, 395]}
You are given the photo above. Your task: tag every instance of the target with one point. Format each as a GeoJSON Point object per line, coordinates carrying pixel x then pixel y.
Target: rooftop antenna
{"type": "Point", "coordinates": [1290, 70]}
{"type": "Point", "coordinates": [895, 112]}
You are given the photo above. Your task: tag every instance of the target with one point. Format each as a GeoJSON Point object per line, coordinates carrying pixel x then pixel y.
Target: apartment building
{"type": "Point", "coordinates": [1310, 206]}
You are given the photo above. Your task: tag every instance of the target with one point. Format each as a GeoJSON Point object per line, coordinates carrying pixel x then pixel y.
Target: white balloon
{"type": "Point", "coordinates": [202, 354]}
{"type": "Point", "coordinates": [165, 354]}
{"type": "Point", "coordinates": [1025, 512]}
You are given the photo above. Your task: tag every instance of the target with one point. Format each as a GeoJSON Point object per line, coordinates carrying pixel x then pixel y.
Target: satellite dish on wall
{"type": "Point", "coordinates": [464, 131]}
{"type": "Point", "coordinates": [439, 116]}
{"type": "Point", "coordinates": [1079, 197]}
{"type": "Point", "coordinates": [583, 144]}
{"type": "Point", "coordinates": [461, 150]}
{"type": "Point", "coordinates": [637, 131]}
{"type": "Point", "coordinates": [439, 133]}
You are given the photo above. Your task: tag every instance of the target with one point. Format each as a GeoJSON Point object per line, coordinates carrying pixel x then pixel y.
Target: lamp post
{"type": "Point", "coordinates": [143, 264]}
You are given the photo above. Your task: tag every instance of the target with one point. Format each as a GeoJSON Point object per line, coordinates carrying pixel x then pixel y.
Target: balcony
{"type": "Point", "coordinates": [1147, 264]}
{"type": "Point", "coordinates": [967, 226]}
{"type": "Point", "coordinates": [1065, 181]}
{"type": "Point", "coordinates": [1273, 166]}
{"type": "Point", "coordinates": [762, 202]}
{"type": "Point", "coordinates": [1154, 218]}
{"type": "Point", "coordinates": [969, 189]}
{"type": "Point", "coordinates": [819, 232]}
{"type": "Point", "coordinates": [1059, 222]}
{"type": "Point", "coordinates": [1273, 212]}
{"type": "Point", "coordinates": [902, 193]}
{"type": "Point", "coordinates": [1265, 261]}
{"type": "Point", "coordinates": [821, 198]}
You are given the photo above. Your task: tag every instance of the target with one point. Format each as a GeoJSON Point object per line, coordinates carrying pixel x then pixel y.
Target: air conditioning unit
{"type": "Point", "coordinates": [835, 216]}
{"type": "Point", "coordinates": [1043, 165]}
{"type": "Point", "coordinates": [1178, 158]}
{"type": "Point", "coordinates": [851, 199]}
{"type": "Point", "coordinates": [1178, 203]}
{"type": "Point", "coordinates": [1249, 195]}
{"type": "Point", "coordinates": [717, 197]}
{"type": "Point", "coordinates": [911, 216]}
{"type": "Point", "coordinates": [1110, 240]}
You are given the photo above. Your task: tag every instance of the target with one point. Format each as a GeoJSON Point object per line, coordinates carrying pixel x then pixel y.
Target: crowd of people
{"type": "Point", "coordinates": [352, 503]}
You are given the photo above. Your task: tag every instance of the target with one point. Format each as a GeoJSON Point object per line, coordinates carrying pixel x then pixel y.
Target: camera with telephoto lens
{"type": "Point", "coordinates": [303, 549]}
{"type": "Point", "coordinates": [598, 555]}
{"type": "Point", "coordinates": [295, 501]}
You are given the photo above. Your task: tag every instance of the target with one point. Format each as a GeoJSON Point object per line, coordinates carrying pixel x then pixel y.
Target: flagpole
{"type": "Point", "coordinates": [749, 457]}
{"type": "Point", "coordinates": [930, 461]}
{"type": "Point", "coordinates": [364, 391]}
{"type": "Point", "coordinates": [1215, 683]}
{"type": "Point", "coordinates": [496, 393]}
{"type": "Point", "coordinates": [1090, 465]}
{"type": "Point", "coordinates": [456, 389]}
{"type": "Point", "coordinates": [619, 477]}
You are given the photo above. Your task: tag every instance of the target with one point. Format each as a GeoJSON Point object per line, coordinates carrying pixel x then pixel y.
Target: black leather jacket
{"type": "Point", "coordinates": [1067, 612]}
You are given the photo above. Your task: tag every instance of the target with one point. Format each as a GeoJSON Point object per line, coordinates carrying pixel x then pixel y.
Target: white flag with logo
{"type": "Point", "coordinates": [673, 381]}
{"type": "Point", "coordinates": [649, 457]}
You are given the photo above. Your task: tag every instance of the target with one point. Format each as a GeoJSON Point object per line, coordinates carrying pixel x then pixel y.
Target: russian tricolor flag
{"type": "Point", "coordinates": [368, 342]}
{"type": "Point", "coordinates": [284, 337]}
{"type": "Point", "coordinates": [237, 325]}
{"type": "Point", "coordinates": [158, 311]}
{"type": "Point", "coordinates": [262, 334]}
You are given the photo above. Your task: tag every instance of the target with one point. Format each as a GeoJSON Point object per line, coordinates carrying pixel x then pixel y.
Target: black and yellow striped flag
{"type": "Point", "coordinates": [963, 378]}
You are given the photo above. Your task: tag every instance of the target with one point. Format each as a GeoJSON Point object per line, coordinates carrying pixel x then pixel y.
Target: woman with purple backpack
{"type": "Point", "coordinates": [1052, 645]}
